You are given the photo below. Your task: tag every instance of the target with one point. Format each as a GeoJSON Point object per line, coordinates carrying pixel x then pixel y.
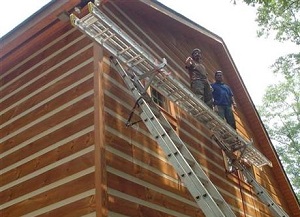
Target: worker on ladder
{"type": "Point", "coordinates": [198, 77]}
{"type": "Point", "coordinates": [223, 99]}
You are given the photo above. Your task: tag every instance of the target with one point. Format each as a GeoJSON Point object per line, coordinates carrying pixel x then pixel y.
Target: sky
{"type": "Point", "coordinates": [235, 24]}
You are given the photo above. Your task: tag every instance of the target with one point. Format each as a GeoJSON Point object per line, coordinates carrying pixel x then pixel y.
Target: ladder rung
{"type": "Point", "coordinates": [133, 58]}
{"type": "Point", "coordinates": [167, 127]}
{"type": "Point", "coordinates": [218, 201]}
{"type": "Point", "coordinates": [102, 32]}
{"type": "Point", "coordinates": [109, 37]}
{"type": "Point", "coordinates": [180, 98]}
{"type": "Point", "coordinates": [176, 140]}
{"type": "Point", "coordinates": [124, 50]}
{"type": "Point", "coordinates": [139, 61]}
{"type": "Point", "coordinates": [90, 20]}
{"type": "Point", "coordinates": [190, 160]}
{"type": "Point", "coordinates": [203, 180]}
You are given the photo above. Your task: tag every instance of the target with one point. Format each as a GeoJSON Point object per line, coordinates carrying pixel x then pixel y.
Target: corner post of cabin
{"type": "Point", "coordinates": [99, 131]}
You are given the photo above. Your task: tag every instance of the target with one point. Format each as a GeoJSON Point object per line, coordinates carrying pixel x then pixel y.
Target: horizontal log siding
{"type": "Point", "coordinates": [132, 154]}
{"type": "Point", "coordinates": [47, 135]}
{"type": "Point", "coordinates": [47, 131]}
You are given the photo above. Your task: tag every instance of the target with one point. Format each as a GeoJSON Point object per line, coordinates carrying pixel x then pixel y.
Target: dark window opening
{"type": "Point", "coordinates": [158, 98]}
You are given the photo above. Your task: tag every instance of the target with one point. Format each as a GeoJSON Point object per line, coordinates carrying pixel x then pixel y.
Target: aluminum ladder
{"type": "Point", "coordinates": [144, 66]}
{"type": "Point", "coordinates": [191, 174]}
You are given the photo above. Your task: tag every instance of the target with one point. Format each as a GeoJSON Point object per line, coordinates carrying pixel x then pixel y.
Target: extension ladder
{"type": "Point", "coordinates": [141, 65]}
{"type": "Point", "coordinates": [191, 174]}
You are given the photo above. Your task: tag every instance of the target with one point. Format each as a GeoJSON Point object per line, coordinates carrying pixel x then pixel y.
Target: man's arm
{"type": "Point", "coordinates": [232, 97]}
{"type": "Point", "coordinates": [233, 102]}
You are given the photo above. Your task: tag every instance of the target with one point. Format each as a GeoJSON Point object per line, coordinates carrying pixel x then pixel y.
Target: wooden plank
{"type": "Point", "coordinates": [81, 207]}
{"type": "Point", "coordinates": [38, 44]}
{"type": "Point", "coordinates": [44, 94]}
{"type": "Point", "coordinates": [100, 142]}
{"type": "Point", "coordinates": [127, 208]}
{"type": "Point", "coordinates": [51, 121]}
{"type": "Point", "coordinates": [151, 196]}
{"type": "Point", "coordinates": [46, 49]}
{"type": "Point", "coordinates": [47, 140]}
{"type": "Point", "coordinates": [52, 156]}
{"type": "Point", "coordinates": [45, 79]}
{"type": "Point", "coordinates": [146, 175]}
{"type": "Point", "coordinates": [52, 196]}
{"type": "Point", "coordinates": [143, 156]}
{"type": "Point", "coordinates": [48, 107]}
{"type": "Point", "coordinates": [118, 100]}
{"type": "Point", "coordinates": [53, 175]}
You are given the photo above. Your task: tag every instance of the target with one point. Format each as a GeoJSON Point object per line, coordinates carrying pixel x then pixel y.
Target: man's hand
{"type": "Point", "coordinates": [189, 62]}
{"type": "Point", "coordinates": [233, 103]}
{"type": "Point", "coordinates": [215, 109]}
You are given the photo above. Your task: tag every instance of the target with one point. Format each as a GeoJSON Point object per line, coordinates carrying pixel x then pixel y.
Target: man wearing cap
{"type": "Point", "coordinates": [198, 77]}
{"type": "Point", "coordinates": [223, 99]}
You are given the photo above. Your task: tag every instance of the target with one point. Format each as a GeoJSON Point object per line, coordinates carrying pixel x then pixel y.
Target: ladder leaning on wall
{"type": "Point", "coordinates": [141, 65]}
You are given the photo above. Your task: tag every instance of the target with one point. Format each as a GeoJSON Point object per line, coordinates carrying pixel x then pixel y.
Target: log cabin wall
{"type": "Point", "coordinates": [51, 143]}
{"type": "Point", "coordinates": [47, 129]}
{"type": "Point", "coordinates": [164, 40]}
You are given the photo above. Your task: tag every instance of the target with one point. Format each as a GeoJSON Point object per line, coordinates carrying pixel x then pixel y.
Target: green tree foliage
{"type": "Point", "coordinates": [281, 17]}
{"type": "Point", "coordinates": [281, 114]}
{"type": "Point", "coordinates": [281, 103]}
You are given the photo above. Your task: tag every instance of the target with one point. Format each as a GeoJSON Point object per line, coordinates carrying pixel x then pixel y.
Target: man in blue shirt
{"type": "Point", "coordinates": [223, 99]}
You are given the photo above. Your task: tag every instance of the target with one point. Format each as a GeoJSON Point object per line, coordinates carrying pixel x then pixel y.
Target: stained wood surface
{"type": "Point", "coordinates": [65, 149]}
{"type": "Point", "coordinates": [47, 137]}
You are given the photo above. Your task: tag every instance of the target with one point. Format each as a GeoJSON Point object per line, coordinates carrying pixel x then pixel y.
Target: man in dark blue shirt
{"type": "Point", "coordinates": [223, 99]}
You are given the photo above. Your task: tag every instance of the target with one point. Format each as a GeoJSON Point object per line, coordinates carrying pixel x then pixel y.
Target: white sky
{"type": "Point", "coordinates": [234, 23]}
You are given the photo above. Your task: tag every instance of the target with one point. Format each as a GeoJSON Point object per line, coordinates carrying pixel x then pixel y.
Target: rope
{"type": "Point", "coordinates": [129, 123]}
